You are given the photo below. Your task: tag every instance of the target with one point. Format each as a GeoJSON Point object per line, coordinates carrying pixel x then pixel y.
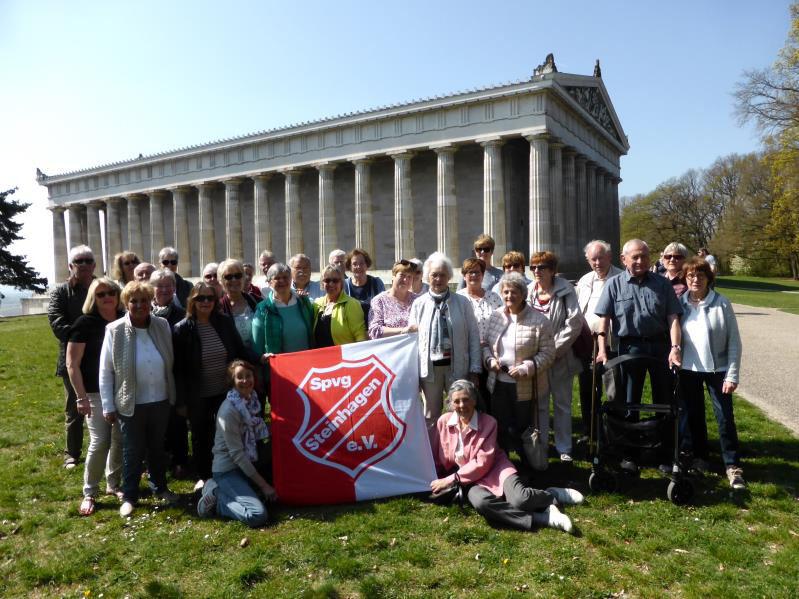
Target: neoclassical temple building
{"type": "Point", "coordinates": [534, 163]}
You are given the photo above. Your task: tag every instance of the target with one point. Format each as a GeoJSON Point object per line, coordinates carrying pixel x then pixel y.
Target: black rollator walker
{"type": "Point", "coordinates": [622, 430]}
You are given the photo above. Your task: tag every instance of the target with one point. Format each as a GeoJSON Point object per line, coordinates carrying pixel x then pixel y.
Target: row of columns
{"type": "Point", "coordinates": [571, 200]}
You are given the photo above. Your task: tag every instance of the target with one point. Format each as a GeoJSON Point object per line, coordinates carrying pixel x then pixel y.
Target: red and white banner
{"type": "Point", "coordinates": [347, 423]}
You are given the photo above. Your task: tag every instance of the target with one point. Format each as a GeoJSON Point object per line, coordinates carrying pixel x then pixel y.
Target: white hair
{"type": "Point", "coordinates": [603, 244]}
{"type": "Point", "coordinates": [633, 242]}
{"type": "Point", "coordinates": [167, 252]}
{"type": "Point", "coordinates": [437, 259]}
{"type": "Point", "coordinates": [80, 250]}
{"type": "Point", "coordinates": [161, 273]}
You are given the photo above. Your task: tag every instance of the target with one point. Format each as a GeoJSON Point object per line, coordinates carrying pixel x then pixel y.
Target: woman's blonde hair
{"type": "Point", "coordinates": [117, 272]}
{"type": "Point", "coordinates": [137, 288]}
{"type": "Point", "coordinates": [90, 304]}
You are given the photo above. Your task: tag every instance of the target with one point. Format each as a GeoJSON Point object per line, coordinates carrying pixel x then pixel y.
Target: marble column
{"type": "Point", "coordinates": [570, 240]}
{"type": "Point", "coordinates": [60, 255]}
{"type": "Point", "coordinates": [93, 233]}
{"type": "Point", "coordinates": [207, 232]}
{"type": "Point", "coordinates": [77, 235]}
{"type": "Point", "coordinates": [581, 194]}
{"type": "Point", "coordinates": [135, 244]}
{"type": "Point", "coordinates": [494, 218]}
{"type": "Point", "coordinates": [262, 224]}
{"type": "Point", "coordinates": [556, 196]}
{"type": "Point", "coordinates": [233, 240]}
{"type": "Point", "coordinates": [590, 183]}
{"type": "Point", "coordinates": [539, 216]}
{"type": "Point", "coordinates": [156, 225]}
{"type": "Point", "coordinates": [446, 203]}
{"type": "Point", "coordinates": [615, 240]}
{"type": "Point", "coordinates": [364, 221]}
{"type": "Point", "coordinates": [404, 246]}
{"type": "Point", "coordinates": [294, 241]}
{"type": "Point", "coordinates": [181, 229]}
{"type": "Point", "coordinates": [328, 240]}
{"type": "Point", "coordinates": [113, 231]}
{"type": "Point", "coordinates": [601, 212]}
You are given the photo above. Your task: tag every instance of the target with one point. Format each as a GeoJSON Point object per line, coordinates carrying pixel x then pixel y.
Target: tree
{"type": "Point", "coordinates": [14, 269]}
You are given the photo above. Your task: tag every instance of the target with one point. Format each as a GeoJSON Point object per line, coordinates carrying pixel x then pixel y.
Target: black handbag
{"type": "Point", "coordinates": [450, 495]}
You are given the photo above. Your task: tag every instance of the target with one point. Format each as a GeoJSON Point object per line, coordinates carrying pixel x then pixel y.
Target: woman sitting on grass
{"type": "Point", "coordinates": [465, 450]}
{"type": "Point", "coordinates": [239, 428]}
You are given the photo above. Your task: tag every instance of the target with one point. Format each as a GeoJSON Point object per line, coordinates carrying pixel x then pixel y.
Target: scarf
{"type": "Point", "coordinates": [162, 311]}
{"type": "Point", "coordinates": [255, 428]}
{"type": "Point", "coordinates": [440, 342]}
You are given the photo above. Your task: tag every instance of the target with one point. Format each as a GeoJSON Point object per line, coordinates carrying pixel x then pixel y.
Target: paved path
{"type": "Point", "coordinates": [770, 362]}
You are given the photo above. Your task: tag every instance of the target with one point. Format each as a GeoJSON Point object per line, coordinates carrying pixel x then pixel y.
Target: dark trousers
{"type": "Point", "coordinates": [634, 374]}
{"type": "Point", "coordinates": [202, 419]}
{"type": "Point", "coordinates": [177, 438]}
{"type": "Point", "coordinates": [513, 416]}
{"type": "Point", "coordinates": [586, 378]}
{"type": "Point", "coordinates": [693, 426]}
{"type": "Point", "coordinates": [143, 436]}
{"type": "Point", "coordinates": [73, 422]}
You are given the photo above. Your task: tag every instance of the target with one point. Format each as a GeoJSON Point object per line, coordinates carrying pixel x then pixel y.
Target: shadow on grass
{"type": "Point", "coordinates": [753, 285]}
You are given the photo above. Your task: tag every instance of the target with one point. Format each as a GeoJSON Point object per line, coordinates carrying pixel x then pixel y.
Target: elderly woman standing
{"type": "Point", "coordinates": [206, 341]}
{"type": "Point", "coordinates": [211, 277]}
{"type": "Point", "coordinates": [449, 340]}
{"type": "Point", "coordinates": [236, 302]}
{"type": "Point", "coordinates": [361, 286]}
{"type": "Point", "coordinates": [555, 298]}
{"type": "Point", "coordinates": [283, 322]}
{"type": "Point", "coordinates": [137, 388]}
{"type": "Point", "coordinates": [673, 258]}
{"type": "Point", "coordinates": [124, 265]}
{"type": "Point", "coordinates": [339, 318]}
{"type": "Point", "coordinates": [484, 302]}
{"type": "Point", "coordinates": [102, 306]}
{"type": "Point", "coordinates": [465, 450]}
{"type": "Point", "coordinates": [518, 349]}
{"type": "Point", "coordinates": [390, 309]}
{"type": "Point", "coordinates": [168, 258]}
{"type": "Point", "coordinates": [711, 358]}
{"type": "Point", "coordinates": [512, 261]}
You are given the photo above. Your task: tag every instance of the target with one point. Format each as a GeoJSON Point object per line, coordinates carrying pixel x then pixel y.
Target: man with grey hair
{"type": "Point", "coordinates": [337, 258]}
{"type": "Point", "coordinates": [301, 281]}
{"type": "Point", "coordinates": [589, 289]}
{"type": "Point", "coordinates": [265, 260]}
{"type": "Point", "coordinates": [645, 315]}
{"type": "Point", "coordinates": [168, 257]}
{"type": "Point", "coordinates": [143, 271]}
{"type": "Point", "coordinates": [66, 305]}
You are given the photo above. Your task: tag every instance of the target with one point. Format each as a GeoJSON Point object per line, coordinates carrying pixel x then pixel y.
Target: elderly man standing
{"type": "Point", "coordinates": [265, 260]}
{"type": "Point", "coordinates": [645, 315]}
{"type": "Point", "coordinates": [168, 257]}
{"type": "Point", "coordinates": [589, 289]}
{"type": "Point", "coordinates": [301, 282]}
{"type": "Point", "coordinates": [66, 305]}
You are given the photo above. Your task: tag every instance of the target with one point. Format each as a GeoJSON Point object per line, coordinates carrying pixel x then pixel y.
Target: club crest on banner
{"type": "Point", "coordinates": [349, 423]}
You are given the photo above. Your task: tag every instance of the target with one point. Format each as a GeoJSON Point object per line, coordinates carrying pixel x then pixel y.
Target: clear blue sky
{"type": "Point", "coordinates": [92, 82]}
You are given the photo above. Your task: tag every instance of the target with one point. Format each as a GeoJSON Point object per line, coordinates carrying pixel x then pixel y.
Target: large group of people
{"type": "Point", "coordinates": [147, 357]}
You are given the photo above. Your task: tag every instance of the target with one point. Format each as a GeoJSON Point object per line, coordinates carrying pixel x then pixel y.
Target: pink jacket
{"type": "Point", "coordinates": [486, 463]}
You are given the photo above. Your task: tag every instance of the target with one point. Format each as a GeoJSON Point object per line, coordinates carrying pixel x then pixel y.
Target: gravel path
{"type": "Point", "coordinates": [770, 362]}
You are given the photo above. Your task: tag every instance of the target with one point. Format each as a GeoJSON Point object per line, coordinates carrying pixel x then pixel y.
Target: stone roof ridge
{"type": "Point", "coordinates": [320, 121]}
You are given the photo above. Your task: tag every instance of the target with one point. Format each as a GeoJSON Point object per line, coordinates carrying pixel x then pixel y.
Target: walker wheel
{"type": "Point", "coordinates": [680, 492]}
{"type": "Point", "coordinates": [602, 482]}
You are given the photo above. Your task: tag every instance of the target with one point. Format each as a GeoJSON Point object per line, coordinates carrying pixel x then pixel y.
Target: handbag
{"type": "Point", "coordinates": [533, 443]}
{"type": "Point", "coordinates": [583, 346]}
{"type": "Point", "coordinates": [453, 494]}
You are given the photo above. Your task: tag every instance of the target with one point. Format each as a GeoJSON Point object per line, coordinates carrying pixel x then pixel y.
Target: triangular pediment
{"type": "Point", "coordinates": [591, 100]}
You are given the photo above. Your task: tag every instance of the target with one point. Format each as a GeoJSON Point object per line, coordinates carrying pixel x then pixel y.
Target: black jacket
{"type": "Point", "coordinates": [188, 353]}
{"type": "Point", "coordinates": [182, 290]}
{"type": "Point", "coordinates": [66, 306]}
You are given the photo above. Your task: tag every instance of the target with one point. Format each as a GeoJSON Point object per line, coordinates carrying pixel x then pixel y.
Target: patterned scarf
{"type": "Point", "coordinates": [440, 342]}
{"type": "Point", "coordinates": [255, 428]}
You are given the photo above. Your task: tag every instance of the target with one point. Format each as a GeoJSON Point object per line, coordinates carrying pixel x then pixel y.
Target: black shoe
{"type": "Point", "coordinates": [628, 466]}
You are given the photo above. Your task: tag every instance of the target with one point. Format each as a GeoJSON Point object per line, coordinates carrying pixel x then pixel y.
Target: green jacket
{"type": "Point", "coordinates": [267, 324]}
{"type": "Point", "coordinates": [347, 323]}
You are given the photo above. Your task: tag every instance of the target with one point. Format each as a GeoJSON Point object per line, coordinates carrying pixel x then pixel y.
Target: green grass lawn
{"type": "Point", "coordinates": [782, 294]}
{"type": "Point", "coordinates": [631, 544]}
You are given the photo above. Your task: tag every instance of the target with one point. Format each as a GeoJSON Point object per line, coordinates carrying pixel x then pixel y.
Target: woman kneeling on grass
{"type": "Point", "coordinates": [466, 449]}
{"type": "Point", "coordinates": [239, 428]}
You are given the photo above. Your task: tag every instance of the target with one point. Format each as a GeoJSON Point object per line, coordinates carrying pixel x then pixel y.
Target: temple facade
{"type": "Point", "coordinates": [534, 163]}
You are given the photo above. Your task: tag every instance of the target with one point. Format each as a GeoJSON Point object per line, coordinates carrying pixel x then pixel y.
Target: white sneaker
{"type": "Point", "coordinates": [566, 496]}
{"type": "Point", "coordinates": [207, 503]}
{"type": "Point", "coordinates": [126, 509]}
{"type": "Point", "coordinates": [198, 486]}
{"type": "Point", "coordinates": [553, 518]}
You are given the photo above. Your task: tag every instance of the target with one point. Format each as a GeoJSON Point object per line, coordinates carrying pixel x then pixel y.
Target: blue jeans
{"type": "Point", "coordinates": [693, 426]}
{"type": "Point", "coordinates": [143, 436]}
{"type": "Point", "coordinates": [237, 500]}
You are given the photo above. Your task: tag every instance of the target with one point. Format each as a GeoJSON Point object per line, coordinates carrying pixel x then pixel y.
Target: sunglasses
{"type": "Point", "coordinates": [169, 262]}
{"type": "Point", "coordinates": [484, 250]}
{"type": "Point", "coordinates": [81, 261]}
{"type": "Point", "coordinates": [408, 263]}
{"type": "Point", "coordinates": [204, 298]}
{"type": "Point", "coordinates": [233, 275]}
{"type": "Point", "coordinates": [131, 263]}
{"type": "Point", "coordinates": [102, 294]}
{"type": "Point", "coordinates": [331, 281]}
{"type": "Point", "coordinates": [210, 277]}
{"type": "Point", "coordinates": [539, 267]}
{"type": "Point", "coordinates": [472, 273]}
{"type": "Point", "coordinates": [673, 257]}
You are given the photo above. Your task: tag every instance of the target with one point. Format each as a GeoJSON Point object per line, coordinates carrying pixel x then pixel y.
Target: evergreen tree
{"type": "Point", "coordinates": [14, 269]}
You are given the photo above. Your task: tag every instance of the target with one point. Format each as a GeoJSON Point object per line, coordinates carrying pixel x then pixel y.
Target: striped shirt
{"type": "Point", "coordinates": [214, 361]}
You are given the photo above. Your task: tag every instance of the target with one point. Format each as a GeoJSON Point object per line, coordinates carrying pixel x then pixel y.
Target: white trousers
{"type": "Point", "coordinates": [560, 390]}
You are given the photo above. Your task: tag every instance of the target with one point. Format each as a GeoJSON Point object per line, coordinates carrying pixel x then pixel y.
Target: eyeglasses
{"type": "Point", "coordinates": [539, 267]}
{"type": "Point", "coordinates": [139, 301]}
{"type": "Point", "coordinates": [673, 257]}
{"type": "Point", "coordinates": [210, 277]}
{"type": "Point", "coordinates": [483, 250]}
{"type": "Point", "coordinates": [233, 275]}
{"type": "Point", "coordinates": [204, 298]}
{"type": "Point", "coordinates": [696, 275]}
{"type": "Point", "coordinates": [81, 261]}
{"type": "Point", "coordinates": [512, 266]}
{"type": "Point", "coordinates": [102, 294]}
{"type": "Point", "coordinates": [331, 281]}
{"type": "Point", "coordinates": [169, 262]}
{"type": "Point", "coordinates": [472, 273]}
{"type": "Point", "coordinates": [131, 263]}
